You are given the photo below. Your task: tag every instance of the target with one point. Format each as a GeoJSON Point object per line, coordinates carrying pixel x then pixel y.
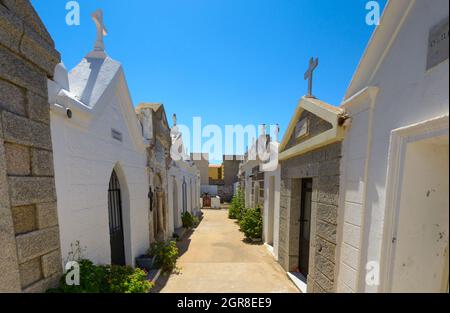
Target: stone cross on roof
{"type": "Point", "coordinates": [313, 63]}
{"type": "Point", "coordinates": [277, 132]}
{"type": "Point", "coordinates": [99, 47]}
{"type": "Point", "coordinates": [174, 118]}
{"type": "Point", "coordinates": [97, 16]}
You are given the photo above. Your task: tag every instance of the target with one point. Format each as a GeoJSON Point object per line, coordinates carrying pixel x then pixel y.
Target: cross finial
{"type": "Point", "coordinates": [277, 132]}
{"type": "Point", "coordinates": [99, 46]}
{"type": "Point", "coordinates": [174, 117]}
{"type": "Point", "coordinates": [313, 63]}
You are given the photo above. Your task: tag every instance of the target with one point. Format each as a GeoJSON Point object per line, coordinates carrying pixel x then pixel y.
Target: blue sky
{"type": "Point", "coordinates": [228, 61]}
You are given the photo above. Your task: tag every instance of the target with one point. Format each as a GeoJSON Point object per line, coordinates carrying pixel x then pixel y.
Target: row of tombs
{"type": "Point", "coordinates": [357, 199]}
{"type": "Point", "coordinates": [82, 172]}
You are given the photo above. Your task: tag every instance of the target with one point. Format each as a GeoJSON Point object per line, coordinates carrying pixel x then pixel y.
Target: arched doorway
{"type": "Point", "coordinates": [184, 190]}
{"type": "Point", "coordinates": [116, 221]}
{"type": "Point", "coordinates": [159, 215]}
{"type": "Point", "coordinates": [175, 204]}
{"type": "Point", "coordinates": [191, 194]}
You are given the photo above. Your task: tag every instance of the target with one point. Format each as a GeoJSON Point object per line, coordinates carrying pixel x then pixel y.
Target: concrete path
{"type": "Point", "coordinates": [216, 260]}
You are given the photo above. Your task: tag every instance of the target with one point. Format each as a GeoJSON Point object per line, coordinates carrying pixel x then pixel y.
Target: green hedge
{"type": "Point", "coordinates": [166, 255]}
{"type": "Point", "coordinates": [237, 206]}
{"type": "Point", "coordinates": [251, 223]}
{"type": "Point", "coordinates": [187, 220]}
{"type": "Point", "coordinates": [106, 279]}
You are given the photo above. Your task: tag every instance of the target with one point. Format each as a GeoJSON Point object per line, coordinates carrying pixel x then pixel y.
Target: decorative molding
{"type": "Point", "coordinates": [322, 110]}
{"type": "Point", "coordinates": [399, 140]}
{"type": "Point", "coordinates": [385, 34]}
{"type": "Point", "coordinates": [302, 129]}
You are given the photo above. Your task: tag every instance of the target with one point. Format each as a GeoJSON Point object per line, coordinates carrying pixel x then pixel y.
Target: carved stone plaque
{"type": "Point", "coordinates": [438, 44]}
{"type": "Point", "coordinates": [302, 128]}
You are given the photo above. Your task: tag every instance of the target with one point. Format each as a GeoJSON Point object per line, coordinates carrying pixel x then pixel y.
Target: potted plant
{"type": "Point", "coordinates": [145, 262]}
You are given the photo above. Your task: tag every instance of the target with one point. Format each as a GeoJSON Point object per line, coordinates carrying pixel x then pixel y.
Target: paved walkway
{"type": "Point", "coordinates": [215, 259]}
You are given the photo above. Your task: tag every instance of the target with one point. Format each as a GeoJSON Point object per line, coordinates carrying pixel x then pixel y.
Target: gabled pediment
{"type": "Point", "coordinates": [90, 79]}
{"type": "Point", "coordinates": [99, 85]}
{"type": "Point", "coordinates": [314, 124]}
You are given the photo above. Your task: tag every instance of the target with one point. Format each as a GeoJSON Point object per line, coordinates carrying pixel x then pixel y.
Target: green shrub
{"type": "Point", "coordinates": [124, 279]}
{"type": "Point", "coordinates": [92, 280]}
{"type": "Point", "coordinates": [176, 237]}
{"type": "Point", "coordinates": [252, 223]}
{"type": "Point", "coordinates": [166, 254]}
{"type": "Point", "coordinates": [237, 206]}
{"type": "Point", "coordinates": [106, 279]}
{"type": "Point", "coordinates": [187, 219]}
{"type": "Point", "coordinates": [195, 221]}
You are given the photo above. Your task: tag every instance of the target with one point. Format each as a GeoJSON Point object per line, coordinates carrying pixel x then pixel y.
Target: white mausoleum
{"type": "Point", "coordinates": [184, 181]}
{"type": "Point", "coordinates": [100, 160]}
{"type": "Point", "coordinates": [394, 206]}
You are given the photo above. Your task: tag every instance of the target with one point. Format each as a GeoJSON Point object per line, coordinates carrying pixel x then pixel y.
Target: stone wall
{"type": "Point", "coordinates": [323, 165]}
{"type": "Point", "coordinates": [316, 127]}
{"type": "Point", "coordinates": [201, 160]}
{"type": "Point", "coordinates": [225, 193]}
{"type": "Point", "coordinates": [157, 134]}
{"type": "Point", "coordinates": [30, 258]}
{"type": "Point", "coordinates": [258, 188]}
{"type": "Point", "coordinates": [231, 169]}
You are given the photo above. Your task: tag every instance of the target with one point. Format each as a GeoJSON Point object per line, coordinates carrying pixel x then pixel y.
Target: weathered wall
{"type": "Point", "coordinates": [225, 192]}
{"type": "Point", "coordinates": [201, 160]}
{"type": "Point", "coordinates": [271, 213]}
{"type": "Point", "coordinates": [316, 127]}
{"type": "Point", "coordinates": [258, 188]}
{"type": "Point", "coordinates": [157, 135]}
{"type": "Point", "coordinates": [30, 258]}
{"type": "Point", "coordinates": [231, 169]}
{"type": "Point", "coordinates": [85, 155]}
{"type": "Point", "coordinates": [253, 184]}
{"type": "Point", "coordinates": [323, 165]}
{"type": "Point", "coordinates": [408, 94]}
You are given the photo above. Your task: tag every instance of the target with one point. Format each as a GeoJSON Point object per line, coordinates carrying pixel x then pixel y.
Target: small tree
{"type": "Point", "coordinates": [187, 220]}
{"type": "Point", "coordinates": [237, 206]}
{"type": "Point", "coordinates": [252, 223]}
{"type": "Point", "coordinates": [166, 255]}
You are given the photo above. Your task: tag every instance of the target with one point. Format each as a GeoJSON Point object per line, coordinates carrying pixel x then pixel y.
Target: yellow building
{"type": "Point", "coordinates": [215, 171]}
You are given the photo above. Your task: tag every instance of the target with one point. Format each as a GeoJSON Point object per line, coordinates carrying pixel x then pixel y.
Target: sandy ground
{"type": "Point", "coordinates": [215, 259]}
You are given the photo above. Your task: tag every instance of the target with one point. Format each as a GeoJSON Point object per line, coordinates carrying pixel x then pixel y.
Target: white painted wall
{"type": "Point", "coordinates": [423, 219]}
{"type": "Point", "coordinates": [179, 171]}
{"type": "Point", "coordinates": [274, 197]}
{"type": "Point", "coordinates": [215, 202]}
{"type": "Point", "coordinates": [408, 94]}
{"type": "Point", "coordinates": [212, 190]}
{"type": "Point", "coordinates": [352, 193]}
{"type": "Point", "coordinates": [175, 203]}
{"type": "Point", "coordinates": [85, 155]}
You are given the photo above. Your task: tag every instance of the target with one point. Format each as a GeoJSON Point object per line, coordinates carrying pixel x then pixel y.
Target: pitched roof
{"type": "Point", "coordinates": [88, 89]}
{"type": "Point", "coordinates": [149, 105]}
{"type": "Point", "coordinates": [393, 18]}
{"type": "Point", "coordinates": [322, 109]}
{"type": "Point", "coordinates": [91, 77]}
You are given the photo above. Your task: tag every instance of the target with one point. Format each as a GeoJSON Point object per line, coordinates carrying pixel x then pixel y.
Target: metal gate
{"type": "Point", "coordinates": [305, 225]}
{"type": "Point", "coordinates": [115, 221]}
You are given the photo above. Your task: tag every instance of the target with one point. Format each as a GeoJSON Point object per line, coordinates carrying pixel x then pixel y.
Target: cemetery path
{"type": "Point", "coordinates": [215, 259]}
